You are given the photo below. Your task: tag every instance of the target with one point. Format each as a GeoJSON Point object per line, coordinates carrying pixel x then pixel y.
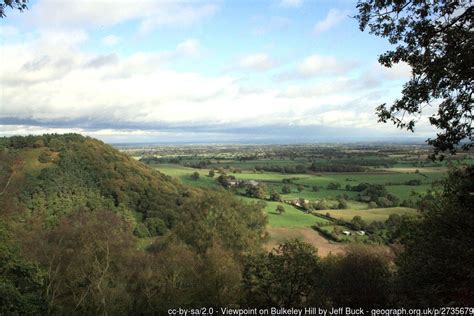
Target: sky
{"type": "Point", "coordinates": [196, 71]}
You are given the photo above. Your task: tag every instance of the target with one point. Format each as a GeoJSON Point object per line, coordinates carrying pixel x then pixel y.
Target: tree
{"type": "Point", "coordinates": [436, 39]}
{"type": "Point", "coordinates": [223, 180]}
{"type": "Point", "coordinates": [280, 209]}
{"type": "Point", "coordinates": [341, 204]}
{"type": "Point", "coordinates": [13, 4]}
{"type": "Point", "coordinates": [22, 282]}
{"type": "Point", "coordinates": [287, 276]}
{"type": "Point", "coordinates": [359, 278]}
{"type": "Point", "coordinates": [85, 259]}
{"type": "Point", "coordinates": [437, 267]}
{"type": "Point", "coordinates": [256, 191]}
{"type": "Point", "coordinates": [286, 189]}
{"type": "Point", "coordinates": [333, 186]}
{"type": "Point", "coordinates": [195, 176]}
{"type": "Point", "coordinates": [358, 223]}
{"type": "Point", "coordinates": [275, 196]}
{"type": "Point", "coordinates": [211, 173]}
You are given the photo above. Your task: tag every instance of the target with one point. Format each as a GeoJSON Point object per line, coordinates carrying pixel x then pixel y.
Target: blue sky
{"type": "Point", "coordinates": [196, 71]}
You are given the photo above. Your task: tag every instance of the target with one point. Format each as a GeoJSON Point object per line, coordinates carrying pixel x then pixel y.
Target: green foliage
{"type": "Point", "coordinates": [282, 278]}
{"type": "Point", "coordinates": [91, 175]}
{"type": "Point", "coordinates": [21, 282]}
{"type": "Point", "coordinates": [85, 258]}
{"type": "Point", "coordinates": [280, 209]}
{"type": "Point", "coordinates": [413, 182]}
{"type": "Point", "coordinates": [20, 5]}
{"type": "Point", "coordinates": [220, 278]}
{"type": "Point", "coordinates": [275, 196]}
{"type": "Point", "coordinates": [286, 189]}
{"type": "Point", "coordinates": [155, 226]}
{"type": "Point", "coordinates": [435, 39]}
{"type": "Point", "coordinates": [195, 176]}
{"type": "Point", "coordinates": [341, 204]}
{"type": "Point", "coordinates": [358, 223]}
{"type": "Point", "coordinates": [437, 267]}
{"type": "Point", "coordinates": [256, 191]}
{"type": "Point", "coordinates": [360, 278]}
{"type": "Point", "coordinates": [333, 186]}
{"type": "Point", "coordinates": [224, 180]}
{"type": "Point", "coordinates": [209, 216]}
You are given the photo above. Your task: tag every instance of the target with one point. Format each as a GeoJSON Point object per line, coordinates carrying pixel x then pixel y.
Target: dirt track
{"type": "Point", "coordinates": [280, 234]}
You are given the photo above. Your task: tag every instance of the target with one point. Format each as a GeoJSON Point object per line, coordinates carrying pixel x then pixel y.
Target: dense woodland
{"type": "Point", "coordinates": [87, 230]}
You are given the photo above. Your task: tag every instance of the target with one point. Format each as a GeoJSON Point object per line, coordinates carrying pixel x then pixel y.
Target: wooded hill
{"type": "Point", "coordinates": [53, 175]}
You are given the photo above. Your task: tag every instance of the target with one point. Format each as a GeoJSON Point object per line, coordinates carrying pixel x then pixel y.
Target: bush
{"type": "Point", "coordinates": [413, 182]}
{"type": "Point", "coordinates": [45, 157]}
{"type": "Point", "coordinates": [286, 189]}
{"type": "Point", "coordinates": [280, 209]}
{"type": "Point", "coordinates": [156, 226]}
{"type": "Point", "coordinates": [342, 204]}
{"type": "Point", "coordinates": [372, 204]}
{"type": "Point", "coordinates": [333, 186]}
{"type": "Point", "coordinates": [274, 196]}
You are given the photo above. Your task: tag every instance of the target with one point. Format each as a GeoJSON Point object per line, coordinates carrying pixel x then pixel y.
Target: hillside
{"type": "Point", "coordinates": [56, 174]}
{"type": "Point", "coordinates": [51, 176]}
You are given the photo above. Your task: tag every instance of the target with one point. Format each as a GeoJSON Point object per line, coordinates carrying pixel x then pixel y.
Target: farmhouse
{"type": "Point", "coordinates": [252, 183]}
{"type": "Point", "coordinates": [234, 183]}
{"type": "Point", "coordinates": [297, 202]}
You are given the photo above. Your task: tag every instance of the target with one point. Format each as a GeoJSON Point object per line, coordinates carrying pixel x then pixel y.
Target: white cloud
{"type": "Point", "coordinates": [333, 18]}
{"type": "Point", "coordinates": [51, 78]}
{"type": "Point", "coordinates": [111, 40]}
{"type": "Point", "coordinates": [397, 71]}
{"type": "Point", "coordinates": [318, 65]}
{"type": "Point", "coordinates": [257, 62]}
{"type": "Point", "coordinates": [149, 13]}
{"type": "Point", "coordinates": [264, 24]}
{"type": "Point", "coordinates": [7, 31]}
{"type": "Point", "coordinates": [291, 3]}
{"type": "Point", "coordinates": [190, 48]}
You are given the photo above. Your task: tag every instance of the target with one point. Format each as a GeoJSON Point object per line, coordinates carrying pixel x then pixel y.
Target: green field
{"type": "Point", "coordinates": [369, 215]}
{"type": "Point", "coordinates": [184, 174]}
{"type": "Point", "coordinates": [274, 181]}
{"type": "Point", "coordinates": [309, 185]}
{"type": "Point", "coordinates": [297, 218]}
{"type": "Point", "coordinates": [291, 218]}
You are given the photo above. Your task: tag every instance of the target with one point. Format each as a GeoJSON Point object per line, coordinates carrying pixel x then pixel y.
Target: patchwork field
{"type": "Point", "coordinates": [325, 178]}
{"type": "Point", "coordinates": [369, 215]}
{"type": "Point", "coordinates": [291, 218]}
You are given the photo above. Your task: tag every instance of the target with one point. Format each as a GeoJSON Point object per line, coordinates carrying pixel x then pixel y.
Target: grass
{"type": "Point", "coordinates": [369, 215]}
{"type": "Point", "coordinates": [291, 218]}
{"type": "Point", "coordinates": [405, 192]}
{"type": "Point", "coordinates": [32, 165]}
{"type": "Point", "coordinates": [184, 174]}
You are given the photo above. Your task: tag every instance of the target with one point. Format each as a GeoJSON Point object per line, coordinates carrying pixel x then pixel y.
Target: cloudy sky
{"type": "Point", "coordinates": [195, 71]}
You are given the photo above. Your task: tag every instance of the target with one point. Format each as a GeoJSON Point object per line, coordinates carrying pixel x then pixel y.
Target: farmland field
{"type": "Point", "coordinates": [369, 215]}
{"type": "Point", "coordinates": [332, 183]}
